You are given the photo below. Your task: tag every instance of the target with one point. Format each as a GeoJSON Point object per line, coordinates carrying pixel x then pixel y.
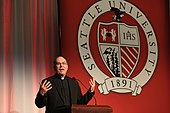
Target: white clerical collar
{"type": "Point", "coordinates": [62, 77]}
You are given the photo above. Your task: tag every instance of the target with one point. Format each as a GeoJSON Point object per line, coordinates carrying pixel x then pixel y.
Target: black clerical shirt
{"type": "Point", "coordinates": [64, 87]}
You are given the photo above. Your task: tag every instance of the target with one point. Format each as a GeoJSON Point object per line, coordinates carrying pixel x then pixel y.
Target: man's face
{"type": "Point", "coordinates": [61, 66]}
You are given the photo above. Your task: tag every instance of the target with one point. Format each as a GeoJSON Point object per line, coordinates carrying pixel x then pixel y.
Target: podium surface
{"type": "Point", "coordinates": [85, 109]}
{"type": "Point", "coordinates": [91, 109]}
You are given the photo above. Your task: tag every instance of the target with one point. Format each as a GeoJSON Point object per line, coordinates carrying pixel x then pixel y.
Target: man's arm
{"type": "Point", "coordinates": [41, 98]}
{"type": "Point", "coordinates": [89, 94]}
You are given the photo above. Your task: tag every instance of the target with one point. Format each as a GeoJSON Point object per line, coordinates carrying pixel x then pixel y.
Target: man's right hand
{"type": "Point", "coordinates": [44, 87]}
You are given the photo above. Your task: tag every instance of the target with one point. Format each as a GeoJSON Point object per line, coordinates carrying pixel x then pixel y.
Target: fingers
{"type": "Point", "coordinates": [92, 84]}
{"type": "Point", "coordinates": [45, 86]}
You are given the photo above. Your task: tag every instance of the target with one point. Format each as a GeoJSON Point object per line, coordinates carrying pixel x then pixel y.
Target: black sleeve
{"type": "Point", "coordinates": [84, 99]}
{"type": "Point", "coordinates": [40, 100]}
{"type": "Point", "coordinates": [87, 97]}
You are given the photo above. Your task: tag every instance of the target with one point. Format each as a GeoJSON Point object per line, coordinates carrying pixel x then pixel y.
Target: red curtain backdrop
{"type": "Point", "coordinates": [29, 42]}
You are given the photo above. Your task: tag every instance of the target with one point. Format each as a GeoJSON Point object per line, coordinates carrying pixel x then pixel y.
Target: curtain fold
{"type": "Point", "coordinates": [29, 42]}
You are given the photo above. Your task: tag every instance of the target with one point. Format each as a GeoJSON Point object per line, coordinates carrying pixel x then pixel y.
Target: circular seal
{"type": "Point", "coordinates": [117, 46]}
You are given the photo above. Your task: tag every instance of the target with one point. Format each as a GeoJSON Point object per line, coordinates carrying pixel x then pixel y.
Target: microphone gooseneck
{"type": "Point", "coordinates": [86, 89]}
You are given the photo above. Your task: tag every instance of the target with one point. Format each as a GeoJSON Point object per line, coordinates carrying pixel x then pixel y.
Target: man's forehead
{"type": "Point", "coordinates": [61, 59]}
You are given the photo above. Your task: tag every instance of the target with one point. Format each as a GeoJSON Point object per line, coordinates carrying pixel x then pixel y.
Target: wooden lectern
{"type": "Point", "coordinates": [85, 109]}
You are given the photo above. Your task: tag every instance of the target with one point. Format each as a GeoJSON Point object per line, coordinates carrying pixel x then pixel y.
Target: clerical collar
{"type": "Point", "coordinates": [61, 77]}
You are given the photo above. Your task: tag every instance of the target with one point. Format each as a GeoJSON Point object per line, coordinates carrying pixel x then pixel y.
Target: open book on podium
{"type": "Point", "coordinates": [85, 109]}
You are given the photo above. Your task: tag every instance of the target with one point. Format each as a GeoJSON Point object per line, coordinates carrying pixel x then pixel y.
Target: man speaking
{"type": "Point", "coordinates": [60, 90]}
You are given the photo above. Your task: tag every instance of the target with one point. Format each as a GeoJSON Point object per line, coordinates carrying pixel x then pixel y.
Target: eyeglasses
{"type": "Point", "coordinates": [61, 63]}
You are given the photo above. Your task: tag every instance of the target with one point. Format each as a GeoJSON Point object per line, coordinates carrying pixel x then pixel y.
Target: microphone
{"type": "Point", "coordinates": [86, 89]}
